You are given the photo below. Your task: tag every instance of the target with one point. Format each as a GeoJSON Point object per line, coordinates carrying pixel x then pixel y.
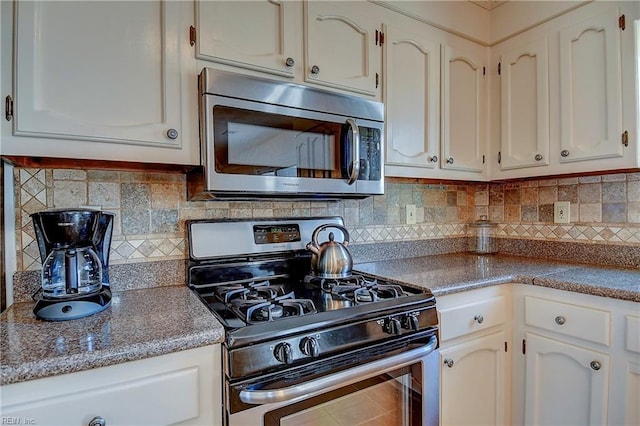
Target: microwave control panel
{"type": "Point", "coordinates": [370, 154]}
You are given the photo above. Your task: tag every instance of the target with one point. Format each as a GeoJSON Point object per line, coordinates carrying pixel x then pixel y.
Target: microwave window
{"type": "Point", "coordinates": [258, 143]}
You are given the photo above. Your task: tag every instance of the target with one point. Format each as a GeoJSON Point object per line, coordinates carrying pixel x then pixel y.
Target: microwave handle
{"type": "Point", "coordinates": [355, 165]}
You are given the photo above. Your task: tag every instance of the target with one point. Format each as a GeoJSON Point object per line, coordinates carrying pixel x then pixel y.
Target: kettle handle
{"type": "Point", "coordinates": [345, 233]}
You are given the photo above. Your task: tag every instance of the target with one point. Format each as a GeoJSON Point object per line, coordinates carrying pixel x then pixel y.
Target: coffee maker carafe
{"type": "Point", "coordinates": [74, 248]}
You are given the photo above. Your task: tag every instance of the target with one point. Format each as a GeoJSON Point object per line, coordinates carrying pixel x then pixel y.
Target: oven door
{"type": "Point", "coordinates": [401, 389]}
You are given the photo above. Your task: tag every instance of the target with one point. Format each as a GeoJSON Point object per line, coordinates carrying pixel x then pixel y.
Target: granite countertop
{"type": "Point", "coordinates": [139, 324]}
{"type": "Point", "coordinates": [451, 273]}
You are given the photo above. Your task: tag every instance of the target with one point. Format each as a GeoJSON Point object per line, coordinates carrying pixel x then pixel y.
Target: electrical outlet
{"type": "Point", "coordinates": [561, 212]}
{"type": "Point", "coordinates": [411, 214]}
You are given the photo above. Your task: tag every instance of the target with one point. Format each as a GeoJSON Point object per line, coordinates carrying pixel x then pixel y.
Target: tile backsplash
{"type": "Point", "coordinates": [151, 210]}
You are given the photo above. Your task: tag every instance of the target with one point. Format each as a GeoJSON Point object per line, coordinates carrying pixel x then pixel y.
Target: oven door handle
{"type": "Point", "coordinates": [355, 165]}
{"type": "Point", "coordinates": [267, 396]}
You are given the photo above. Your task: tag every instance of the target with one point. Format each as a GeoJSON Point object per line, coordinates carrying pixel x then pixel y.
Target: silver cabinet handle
{"type": "Point", "coordinates": [595, 365]}
{"type": "Point", "coordinates": [289, 62]}
{"type": "Point", "coordinates": [97, 421]}
{"type": "Point", "coordinates": [560, 320]}
{"type": "Point", "coordinates": [564, 153]}
{"type": "Point", "coordinates": [266, 396]}
{"type": "Point", "coordinates": [315, 70]}
{"type": "Point", "coordinates": [448, 362]}
{"type": "Point", "coordinates": [172, 133]}
{"type": "Point", "coordinates": [450, 160]}
{"type": "Point", "coordinates": [538, 157]}
{"type": "Point", "coordinates": [355, 165]}
{"type": "Point", "coordinates": [433, 159]}
{"type": "Point", "coordinates": [479, 319]}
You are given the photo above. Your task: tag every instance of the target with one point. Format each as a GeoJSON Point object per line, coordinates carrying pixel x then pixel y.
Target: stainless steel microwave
{"type": "Point", "coordinates": [266, 138]}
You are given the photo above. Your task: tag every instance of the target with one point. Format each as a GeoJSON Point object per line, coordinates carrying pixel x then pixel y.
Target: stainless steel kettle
{"type": "Point", "coordinates": [330, 259]}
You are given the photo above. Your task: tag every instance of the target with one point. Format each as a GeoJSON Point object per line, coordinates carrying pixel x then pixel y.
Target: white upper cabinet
{"type": "Point", "coordinates": [342, 46]}
{"type": "Point", "coordinates": [590, 89]}
{"type": "Point", "coordinates": [524, 107]}
{"type": "Point", "coordinates": [98, 72]}
{"type": "Point", "coordinates": [258, 35]}
{"type": "Point", "coordinates": [412, 95]}
{"type": "Point", "coordinates": [463, 109]}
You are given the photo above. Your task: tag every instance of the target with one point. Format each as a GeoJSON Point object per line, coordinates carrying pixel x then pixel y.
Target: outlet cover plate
{"type": "Point", "coordinates": [561, 212]}
{"type": "Point", "coordinates": [411, 214]}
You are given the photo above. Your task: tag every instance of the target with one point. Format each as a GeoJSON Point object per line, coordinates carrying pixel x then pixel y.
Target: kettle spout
{"type": "Point", "coordinates": [313, 248]}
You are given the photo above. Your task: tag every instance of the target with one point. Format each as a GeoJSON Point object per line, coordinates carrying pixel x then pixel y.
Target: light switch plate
{"type": "Point", "coordinates": [561, 212]}
{"type": "Point", "coordinates": [411, 214]}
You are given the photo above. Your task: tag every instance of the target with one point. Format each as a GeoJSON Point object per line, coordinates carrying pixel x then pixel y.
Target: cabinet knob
{"type": "Point", "coordinates": [450, 160]}
{"type": "Point", "coordinates": [448, 362]}
{"type": "Point", "coordinates": [538, 157]}
{"type": "Point", "coordinates": [289, 62]}
{"type": "Point", "coordinates": [433, 159]}
{"type": "Point", "coordinates": [315, 70]}
{"type": "Point", "coordinates": [595, 365]}
{"type": "Point", "coordinates": [479, 319]}
{"type": "Point", "coordinates": [564, 153]}
{"type": "Point", "coordinates": [172, 133]}
{"type": "Point", "coordinates": [97, 421]}
{"type": "Point", "coordinates": [560, 320]}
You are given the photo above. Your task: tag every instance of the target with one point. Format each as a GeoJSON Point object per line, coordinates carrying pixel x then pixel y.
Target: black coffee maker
{"type": "Point", "coordinates": [74, 248]}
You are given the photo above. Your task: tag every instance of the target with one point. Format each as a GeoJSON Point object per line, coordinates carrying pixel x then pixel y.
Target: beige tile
{"type": "Point", "coordinates": [547, 194]}
{"type": "Point", "coordinates": [166, 195]}
{"type": "Point", "coordinates": [104, 194]}
{"type": "Point", "coordinates": [633, 190]}
{"type": "Point", "coordinates": [69, 193]}
{"type": "Point", "coordinates": [633, 212]}
{"type": "Point", "coordinates": [590, 193]}
{"type": "Point", "coordinates": [590, 212]}
{"type": "Point", "coordinates": [69, 174]}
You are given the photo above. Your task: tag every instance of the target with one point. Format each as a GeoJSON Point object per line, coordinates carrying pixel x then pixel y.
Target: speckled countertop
{"type": "Point", "coordinates": [139, 324]}
{"type": "Point", "coordinates": [451, 273]}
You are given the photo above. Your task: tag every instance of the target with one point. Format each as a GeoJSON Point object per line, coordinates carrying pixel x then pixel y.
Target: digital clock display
{"type": "Point", "coordinates": [270, 234]}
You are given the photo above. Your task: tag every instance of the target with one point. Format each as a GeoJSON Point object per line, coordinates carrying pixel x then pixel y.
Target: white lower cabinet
{"type": "Point", "coordinates": [473, 358]}
{"type": "Point", "coordinates": [179, 388]}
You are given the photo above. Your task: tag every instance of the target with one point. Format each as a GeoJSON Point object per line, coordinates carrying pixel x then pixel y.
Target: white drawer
{"type": "Point", "coordinates": [463, 319]}
{"type": "Point", "coordinates": [633, 334]}
{"type": "Point", "coordinates": [584, 323]}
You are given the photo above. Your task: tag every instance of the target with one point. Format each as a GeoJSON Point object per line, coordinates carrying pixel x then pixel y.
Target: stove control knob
{"type": "Point", "coordinates": [283, 353]}
{"type": "Point", "coordinates": [309, 347]}
{"type": "Point", "coordinates": [411, 322]}
{"type": "Point", "coordinates": [393, 326]}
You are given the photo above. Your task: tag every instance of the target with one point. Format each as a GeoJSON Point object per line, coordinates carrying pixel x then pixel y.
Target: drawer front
{"type": "Point", "coordinates": [633, 334]}
{"type": "Point", "coordinates": [161, 399]}
{"type": "Point", "coordinates": [592, 325]}
{"type": "Point", "coordinates": [468, 318]}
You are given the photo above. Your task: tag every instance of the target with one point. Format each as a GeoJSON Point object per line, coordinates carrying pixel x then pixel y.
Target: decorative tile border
{"type": "Point", "coordinates": [590, 233]}
{"type": "Point", "coordinates": [423, 231]}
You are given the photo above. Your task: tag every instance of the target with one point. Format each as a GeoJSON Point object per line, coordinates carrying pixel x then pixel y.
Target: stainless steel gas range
{"type": "Point", "coordinates": [304, 350]}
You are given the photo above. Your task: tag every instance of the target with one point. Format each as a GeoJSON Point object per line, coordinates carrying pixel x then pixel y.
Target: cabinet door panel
{"type": "Point", "coordinates": [223, 35]}
{"type": "Point", "coordinates": [462, 110]}
{"type": "Point", "coordinates": [341, 43]}
{"type": "Point", "coordinates": [105, 71]}
{"type": "Point", "coordinates": [524, 86]}
{"type": "Point", "coordinates": [562, 386]}
{"type": "Point", "coordinates": [473, 387]}
{"type": "Point", "coordinates": [412, 97]}
{"type": "Point", "coordinates": [590, 89]}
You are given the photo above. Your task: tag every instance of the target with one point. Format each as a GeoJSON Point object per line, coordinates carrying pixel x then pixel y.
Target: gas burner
{"type": "Point", "coordinates": [249, 290]}
{"type": "Point", "coordinates": [260, 310]}
{"type": "Point", "coordinates": [357, 289]}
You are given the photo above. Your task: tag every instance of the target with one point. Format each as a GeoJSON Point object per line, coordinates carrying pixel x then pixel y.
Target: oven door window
{"type": "Point", "coordinates": [261, 143]}
{"type": "Point", "coordinates": [389, 399]}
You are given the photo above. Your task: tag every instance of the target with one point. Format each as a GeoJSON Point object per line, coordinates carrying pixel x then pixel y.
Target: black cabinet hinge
{"type": "Point", "coordinates": [379, 38]}
{"type": "Point", "coordinates": [8, 108]}
{"type": "Point", "coordinates": [499, 157]}
{"type": "Point", "coordinates": [625, 138]}
{"type": "Point", "coordinates": [505, 346]}
{"type": "Point", "coordinates": [484, 70]}
{"type": "Point", "coordinates": [499, 68]}
{"type": "Point", "coordinates": [192, 35]}
{"type": "Point", "coordinates": [377, 80]}
{"type": "Point", "coordinates": [524, 347]}
{"type": "Point", "coordinates": [482, 159]}
{"type": "Point", "coordinates": [622, 22]}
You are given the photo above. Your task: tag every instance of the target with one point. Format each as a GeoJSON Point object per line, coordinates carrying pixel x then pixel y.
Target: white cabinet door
{"type": "Point", "coordinates": [412, 95]}
{"type": "Point", "coordinates": [463, 109]}
{"type": "Point", "coordinates": [473, 382]}
{"type": "Point", "coordinates": [524, 85]}
{"type": "Point", "coordinates": [565, 384]}
{"type": "Point", "coordinates": [342, 46]}
{"type": "Point", "coordinates": [98, 71]}
{"type": "Point", "coordinates": [257, 35]}
{"type": "Point", "coordinates": [590, 89]}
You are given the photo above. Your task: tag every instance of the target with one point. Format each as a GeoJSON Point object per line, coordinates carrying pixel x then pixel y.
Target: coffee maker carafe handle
{"type": "Point", "coordinates": [71, 271]}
